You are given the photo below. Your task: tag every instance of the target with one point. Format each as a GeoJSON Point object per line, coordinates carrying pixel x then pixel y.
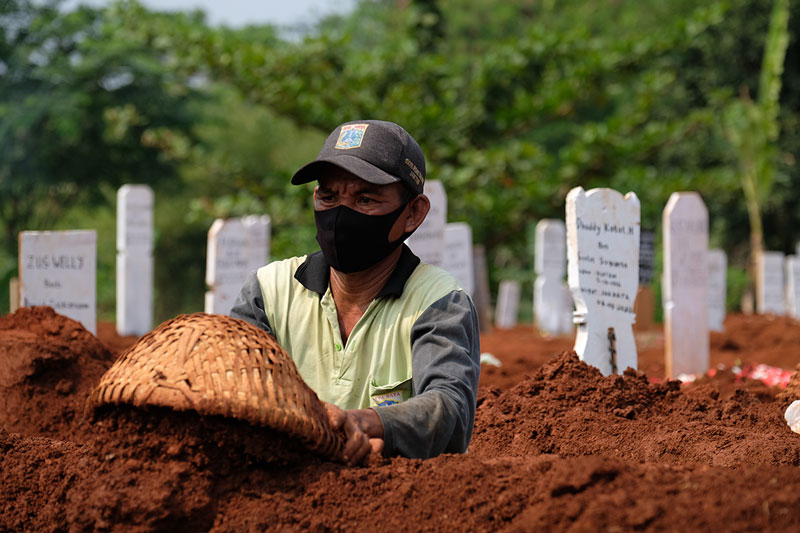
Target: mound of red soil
{"type": "Point", "coordinates": [769, 339]}
{"type": "Point", "coordinates": [568, 408]}
{"type": "Point", "coordinates": [149, 470]}
{"type": "Point", "coordinates": [560, 447]}
{"type": "Point", "coordinates": [48, 364]}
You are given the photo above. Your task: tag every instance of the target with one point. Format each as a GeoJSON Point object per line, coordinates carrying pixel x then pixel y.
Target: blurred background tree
{"type": "Point", "coordinates": [514, 103]}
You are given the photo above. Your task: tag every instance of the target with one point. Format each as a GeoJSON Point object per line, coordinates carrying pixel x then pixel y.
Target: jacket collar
{"type": "Point", "coordinates": [314, 273]}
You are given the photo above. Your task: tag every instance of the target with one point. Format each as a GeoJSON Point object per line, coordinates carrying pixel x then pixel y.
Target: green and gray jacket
{"type": "Point", "coordinates": [414, 356]}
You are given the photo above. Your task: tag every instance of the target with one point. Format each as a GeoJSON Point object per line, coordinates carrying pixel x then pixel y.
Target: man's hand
{"type": "Point", "coordinates": [364, 431]}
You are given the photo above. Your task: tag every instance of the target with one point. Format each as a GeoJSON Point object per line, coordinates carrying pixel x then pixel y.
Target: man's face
{"type": "Point", "coordinates": [342, 188]}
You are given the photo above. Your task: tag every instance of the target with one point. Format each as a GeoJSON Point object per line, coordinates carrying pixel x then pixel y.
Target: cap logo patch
{"type": "Point", "coordinates": [351, 136]}
{"type": "Point", "coordinates": [416, 175]}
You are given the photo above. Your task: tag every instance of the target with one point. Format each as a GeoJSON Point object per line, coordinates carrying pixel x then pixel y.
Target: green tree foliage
{"type": "Point", "coordinates": [80, 106]}
{"type": "Point", "coordinates": [516, 103]}
{"type": "Point", "coordinates": [753, 127]}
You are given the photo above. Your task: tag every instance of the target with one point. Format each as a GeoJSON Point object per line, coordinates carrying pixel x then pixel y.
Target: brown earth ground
{"type": "Point", "coordinates": [556, 447]}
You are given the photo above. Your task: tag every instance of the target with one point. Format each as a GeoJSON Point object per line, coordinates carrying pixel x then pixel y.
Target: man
{"type": "Point", "coordinates": [389, 343]}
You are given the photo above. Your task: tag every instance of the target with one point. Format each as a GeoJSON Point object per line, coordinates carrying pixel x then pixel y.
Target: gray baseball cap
{"type": "Point", "coordinates": [374, 150]}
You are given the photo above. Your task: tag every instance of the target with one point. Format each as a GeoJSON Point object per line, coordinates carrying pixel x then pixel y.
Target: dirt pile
{"type": "Point", "coordinates": [569, 408]}
{"type": "Point", "coordinates": [563, 449]}
{"type": "Point", "coordinates": [48, 364]}
{"type": "Point", "coordinates": [769, 339]}
{"type": "Point", "coordinates": [154, 470]}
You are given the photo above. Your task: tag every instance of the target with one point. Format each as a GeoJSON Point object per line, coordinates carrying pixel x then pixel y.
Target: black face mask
{"type": "Point", "coordinates": [352, 241]}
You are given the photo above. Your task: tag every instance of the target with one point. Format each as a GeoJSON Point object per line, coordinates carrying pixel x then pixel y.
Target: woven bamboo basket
{"type": "Point", "coordinates": [218, 365]}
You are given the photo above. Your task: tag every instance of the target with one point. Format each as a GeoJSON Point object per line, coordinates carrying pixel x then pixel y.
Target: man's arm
{"type": "Point", "coordinates": [445, 345]}
{"type": "Point", "coordinates": [249, 305]}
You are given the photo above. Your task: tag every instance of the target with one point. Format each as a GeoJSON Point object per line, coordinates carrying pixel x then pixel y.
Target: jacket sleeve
{"type": "Point", "coordinates": [439, 417]}
{"type": "Point", "coordinates": [249, 305]}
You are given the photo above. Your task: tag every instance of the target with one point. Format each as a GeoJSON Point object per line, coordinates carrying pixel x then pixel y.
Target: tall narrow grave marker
{"type": "Point", "coordinates": [552, 310]}
{"type": "Point", "coordinates": [603, 273]}
{"type": "Point", "coordinates": [793, 285]}
{"type": "Point", "coordinates": [685, 285]}
{"type": "Point", "coordinates": [770, 292]}
{"type": "Point", "coordinates": [59, 269]}
{"type": "Point", "coordinates": [134, 259]}
{"type": "Point", "coordinates": [505, 316]}
{"type": "Point", "coordinates": [428, 241]}
{"type": "Point", "coordinates": [717, 270]}
{"type": "Point", "coordinates": [457, 258]}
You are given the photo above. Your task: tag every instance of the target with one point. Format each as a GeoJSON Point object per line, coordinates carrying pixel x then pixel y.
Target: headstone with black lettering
{"type": "Point", "coordinates": [685, 284]}
{"type": "Point", "coordinates": [505, 315]}
{"type": "Point", "coordinates": [134, 259]}
{"type": "Point", "coordinates": [603, 273]}
{"type": "Point", "coordinates": [770, 291]}
{"type": "Point", "coordinates": [793, 286]}
{"type": "Point", "coordinates": [427, 242]}
{"type": "Point", "coordinates": [457, 258]}
{"type": "Point", "coordinates": [717, 271]}
{"type": "Point", "coordinates": [59, 269]}
{"type": "Point", "coordinates": [552, 311]}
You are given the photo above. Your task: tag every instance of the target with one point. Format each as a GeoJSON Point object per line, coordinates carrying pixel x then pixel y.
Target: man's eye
{"type": "Point", "coordinates": [365, 200]}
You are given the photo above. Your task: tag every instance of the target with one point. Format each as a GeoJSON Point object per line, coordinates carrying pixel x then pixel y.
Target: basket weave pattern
{"type": "Point", "coordinates": [218, 365]}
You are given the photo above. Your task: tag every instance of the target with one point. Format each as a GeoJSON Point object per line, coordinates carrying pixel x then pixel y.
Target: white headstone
{"type": "Point", "coordinates": [793, 285]}
{"type": "Point", "coordinates": [551, 310]}
{"type": "Point", "coordinates": [236, 247]}
{"type": "Point", "coordinates": [685, 284]}
{"type": "Point", "coordinates": [227, 262]}
{"type": "Point", "coordinates": [457, 257]}
{"type": "Point", "coordinates": [717, 286]}
{"type": "Point", "coordinates": [134, 293]}
{"type": "Point", "coordinates": [508, 293]}
{"type": "Point", "coordinates": [134, 259]}
{"type": "Point", "coordinates": [258, 228]}
{"type": "Point", "coordinates": [770, 292]}
{"type": "Point", "coordinates": [59, 269]}
{"type": "Point", "coordinates": [428, 241]}
{"type": "Point", "coordinates": [551, 248]}
{"type": "Point", "coordinates": [134, 218]}
{"type": "Point", "coordinates": [603, 273]}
